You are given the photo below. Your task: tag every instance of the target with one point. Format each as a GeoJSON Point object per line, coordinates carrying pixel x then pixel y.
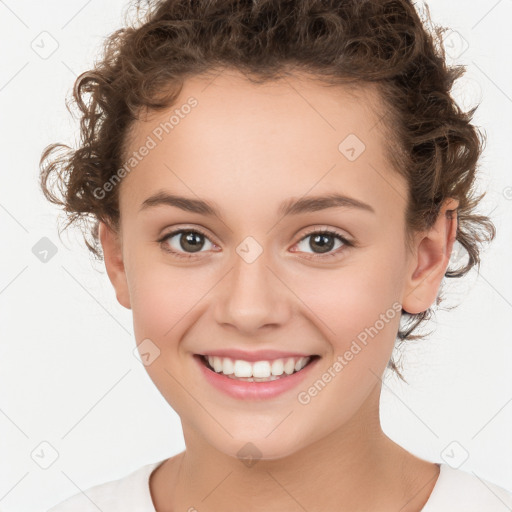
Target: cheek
{"type": "Point", "coordinates": [166, 300]}
{"type": "Point", "coordinates": [357, 310]}
{"type": "Point", "coordinates": [359, 301]}
{"type": "Point", "coordinates": [343, 302]}
{"type": "Point", "coordinates": [159, 301]}
{"type": "Point", "coordinates": [159, 295]}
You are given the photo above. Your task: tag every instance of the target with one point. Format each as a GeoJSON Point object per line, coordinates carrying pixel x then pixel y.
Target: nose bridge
{"type": "Point", "coordinates": [252, 296]}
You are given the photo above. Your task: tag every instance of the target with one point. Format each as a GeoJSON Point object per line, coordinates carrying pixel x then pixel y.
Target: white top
{"type": "Point", "coordinates": [455, 491]}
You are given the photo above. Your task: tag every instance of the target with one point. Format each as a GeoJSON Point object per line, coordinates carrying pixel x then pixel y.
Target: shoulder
{"type": "Point", "coordinates": [460, 491]}
{"type": "Point", "coordinates": [128, 493]}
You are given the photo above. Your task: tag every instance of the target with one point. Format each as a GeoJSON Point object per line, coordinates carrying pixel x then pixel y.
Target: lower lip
{"type": "Point", "coordinates": [254, 390]}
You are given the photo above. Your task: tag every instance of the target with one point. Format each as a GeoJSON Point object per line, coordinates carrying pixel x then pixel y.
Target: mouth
{"type": "Point", "coordinates": [256, 371]}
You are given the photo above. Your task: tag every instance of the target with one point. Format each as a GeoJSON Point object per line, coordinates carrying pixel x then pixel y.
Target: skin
{"type": "Point", "coordinates": [248, 147]}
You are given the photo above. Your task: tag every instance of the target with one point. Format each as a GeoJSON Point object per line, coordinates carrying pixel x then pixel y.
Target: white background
{"type": "Point", "coordinates": [68, 374]}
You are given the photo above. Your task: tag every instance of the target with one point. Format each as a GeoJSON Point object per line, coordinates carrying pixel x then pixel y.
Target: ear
{"type": "Point", "coordinates": [429, 264]}
{"type": "Point", "coordinates": [113, 256]}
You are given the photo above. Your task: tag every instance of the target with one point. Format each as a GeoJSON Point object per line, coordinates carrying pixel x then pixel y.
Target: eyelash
{"type": "Point", "coordinates": [346, 243]}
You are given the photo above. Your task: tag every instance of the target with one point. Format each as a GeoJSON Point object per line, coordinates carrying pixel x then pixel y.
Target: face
{"type": "Point", "coordinates": [327, 280]}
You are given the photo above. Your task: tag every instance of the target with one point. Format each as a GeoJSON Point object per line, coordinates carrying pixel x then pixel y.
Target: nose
{"type": "Point", "coordinates": [253, 297]}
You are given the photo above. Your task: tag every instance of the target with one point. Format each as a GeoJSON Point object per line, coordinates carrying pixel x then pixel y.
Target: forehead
{"type": "Point", "coordinates": [225, 137]}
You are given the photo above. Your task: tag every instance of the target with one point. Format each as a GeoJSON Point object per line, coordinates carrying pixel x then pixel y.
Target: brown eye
{"type": "Point", "coordinates": [184, 241]}
{"type": "Point", "coordinates": [323, 242]}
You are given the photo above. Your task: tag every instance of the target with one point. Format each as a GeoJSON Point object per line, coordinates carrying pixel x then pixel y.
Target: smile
{"type": "Point", "coordinates": [255, 380]}
{"type": "Point", "coordinates": [258, 371]}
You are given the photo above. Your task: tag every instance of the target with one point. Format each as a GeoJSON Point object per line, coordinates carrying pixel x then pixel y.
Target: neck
{"type": "Point", "coordinates": [356, 467]}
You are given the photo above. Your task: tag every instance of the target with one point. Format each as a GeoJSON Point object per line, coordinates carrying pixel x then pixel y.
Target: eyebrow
{"type": "Point", "coordinates": [291, 206]}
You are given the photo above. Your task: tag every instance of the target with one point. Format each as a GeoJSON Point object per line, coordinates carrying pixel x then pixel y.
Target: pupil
{"type": "Point", "coordinates": [322, 240]}
{"type": "Point", "coordinates": [193, 240]}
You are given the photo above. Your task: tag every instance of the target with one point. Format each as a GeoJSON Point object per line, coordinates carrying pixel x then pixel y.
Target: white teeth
{"type": "Point", "coordinates": [289, 366]}
{"type": "Point", "coordinates": [243, 368]}
{"type": "Point", "coordinates": [266, 370]}
{"type": "Point", "coordinates": [228, 367]}
{"type": "Point", "coordinates": [260, 369]}
{"type": "Point", "coordinates": [300, 364]}
{"type": "Point", "coordinates": [277, 367]}
{"type": "Point", "coordinates": [217, 364]}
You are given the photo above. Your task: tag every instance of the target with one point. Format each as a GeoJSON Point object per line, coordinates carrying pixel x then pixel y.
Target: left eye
{"type": "Point", "coordinates": [324, 241]}
{"type": "Point", "coordinates": [192, 241]}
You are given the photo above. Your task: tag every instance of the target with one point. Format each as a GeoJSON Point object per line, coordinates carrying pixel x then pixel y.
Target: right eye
{"type": "Point", "coordinates": [183, 240]}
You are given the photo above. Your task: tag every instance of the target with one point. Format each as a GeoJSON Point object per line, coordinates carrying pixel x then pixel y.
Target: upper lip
{"type": "Point", "coordinates": [257, 355]}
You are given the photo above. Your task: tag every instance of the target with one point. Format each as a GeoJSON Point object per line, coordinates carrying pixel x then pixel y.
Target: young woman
{"type": "Point", "coordinates": [276, 188]}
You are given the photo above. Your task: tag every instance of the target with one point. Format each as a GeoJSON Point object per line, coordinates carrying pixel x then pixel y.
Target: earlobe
{"type": "Point", "coordinates": [114, 264]}
{"type": "Point", "coordinates": [429, 264]}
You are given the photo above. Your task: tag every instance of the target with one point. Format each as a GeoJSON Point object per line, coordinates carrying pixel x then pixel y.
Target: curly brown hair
{"type": "Point", "coordinates": [433, 144]}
